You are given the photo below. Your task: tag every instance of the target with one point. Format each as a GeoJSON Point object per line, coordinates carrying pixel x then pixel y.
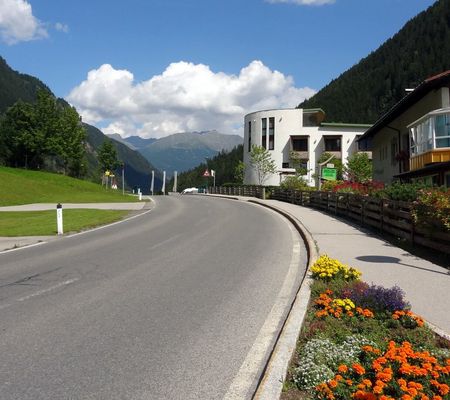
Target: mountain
{"type": "Point", "coordinates": [183, 151]}
{"type": "Point", "coordinates": [15, 86]}
{"type": "Point", "coordinates": [118, 138]}
{"type": "Point", "coordinates": [138, 142]}
{"type": "Point", "coordinates": [137, 169]}
{"type": "Point", "coordinates": [367, 90]}
{"type": "Point", "coordinates": [224, 164]}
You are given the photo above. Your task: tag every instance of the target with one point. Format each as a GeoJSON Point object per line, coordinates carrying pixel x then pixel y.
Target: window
{"type": "Point", "coordinates": [310, 119]}
{"type": "Point", "coordinates": [249, 136]}
{"type": "Point", "coordinates": [285, 165]}
{"type": "Point", "coordinates": [271, 133]}
{"type": "Point", "coordinates": [442, 130]}
{"type": "Point", "coordinates": [332, 143]}
{"type": "Point", "coordinates": [264, 132]}
{"type": "Point", "coordinates": [431, 132]}
{"type": "Point", "coordinates": [300, 144]}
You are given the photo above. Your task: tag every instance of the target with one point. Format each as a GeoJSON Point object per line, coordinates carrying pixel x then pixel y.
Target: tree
{"type": "Point", "coordinates": [261, 161]}
{"type": "Point", "coordinates": [72, 138]}
{"type": "Point", "coordinates": [21, 141]}
{"type": "Point", "coordinates": [239, 172]}
{"type": "Point", "coordinates": [359, 168]}
{"type": "Point", "coordinates": [107, 156]}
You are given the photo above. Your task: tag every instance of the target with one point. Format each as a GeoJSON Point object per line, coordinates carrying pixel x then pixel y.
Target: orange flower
{"type": "Point", "coordinates": [342, 368]}
{"type": "Point", "coordinates": [359, 369]}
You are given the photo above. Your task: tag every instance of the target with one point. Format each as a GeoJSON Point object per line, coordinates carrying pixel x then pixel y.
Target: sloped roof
{"type": "Point", "coordinates": [429, 84]}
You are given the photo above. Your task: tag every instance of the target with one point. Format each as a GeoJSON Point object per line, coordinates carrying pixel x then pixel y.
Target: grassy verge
{"type": "Point", "coordinates": [20, 186]}
{"type": "Point", "coordinates": [361, 341]}
{"type": "Point", "coordinates": [41, 223]}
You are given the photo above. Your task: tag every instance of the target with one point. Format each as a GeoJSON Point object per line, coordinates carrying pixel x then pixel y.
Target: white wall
{"type": "Point", "coordinates": [289, 122]}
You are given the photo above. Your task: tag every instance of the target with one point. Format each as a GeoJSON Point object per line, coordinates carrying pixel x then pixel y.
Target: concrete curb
{"type": "Point", "coordinates": [274, 374]}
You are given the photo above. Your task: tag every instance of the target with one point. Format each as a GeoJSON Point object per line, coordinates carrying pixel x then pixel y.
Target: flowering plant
{"type": "Point", "coordinates": [320, 357]}
{"type": "Point", "coordinates": [432, 205]}
{"type": "Point", "coordinates": [377, 298]}
{"type": "Point", "coordinates": [364, 189]}
{"type": "Point", "coordinates": [327, 269]}
{"type": "Point", "coordinates": [398, 373]}
{"type": "Point", "coordinates": [339, 307]}
{"type": "Point", "coordinates": [408, 319]}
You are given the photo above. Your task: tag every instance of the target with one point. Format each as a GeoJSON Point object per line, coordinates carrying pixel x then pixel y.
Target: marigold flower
{"type": "Point", "coordinates": [359, 369]}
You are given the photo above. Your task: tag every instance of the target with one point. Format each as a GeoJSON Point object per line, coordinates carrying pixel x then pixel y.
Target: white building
{"type": "Point", "coordinates": [297, 137]}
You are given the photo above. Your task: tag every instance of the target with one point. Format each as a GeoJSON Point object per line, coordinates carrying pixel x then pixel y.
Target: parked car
{"type": "Point", "coordinates": [191, 190]}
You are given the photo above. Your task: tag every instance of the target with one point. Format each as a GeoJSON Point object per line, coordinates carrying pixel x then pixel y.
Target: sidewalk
{"type": "Point", "coordinates": [8, 243]}
{"type": "Point", "coordinates": [427, 285]}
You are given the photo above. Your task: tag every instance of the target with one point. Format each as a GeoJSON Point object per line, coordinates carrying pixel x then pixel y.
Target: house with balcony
{"type": "Point", "coordinates": [411, 142]}
{"type": "Point", "coordinates": [296, 138]}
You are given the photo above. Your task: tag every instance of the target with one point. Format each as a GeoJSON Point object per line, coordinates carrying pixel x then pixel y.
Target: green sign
{"type": "Point", "coordinates": [329, 174]}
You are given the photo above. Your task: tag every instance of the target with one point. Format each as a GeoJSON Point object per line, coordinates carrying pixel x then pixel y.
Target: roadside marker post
{"type": "Point", "coordinates": [59, 219]}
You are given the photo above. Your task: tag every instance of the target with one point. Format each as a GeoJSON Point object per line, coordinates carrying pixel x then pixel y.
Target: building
{"type": "Point", "coordinates": [411, 142]}
{"type": "Point", "coordinates": [297, 138]}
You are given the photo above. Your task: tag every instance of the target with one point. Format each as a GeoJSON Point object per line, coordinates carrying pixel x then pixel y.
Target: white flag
{"type": "Point", "coordinates": [213, 173]}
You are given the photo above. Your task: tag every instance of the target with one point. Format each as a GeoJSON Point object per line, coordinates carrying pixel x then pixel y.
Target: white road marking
{"type": "Point", "coordinates": [245, 380]}
{"type": "Point", "coordinates": [43, 291]}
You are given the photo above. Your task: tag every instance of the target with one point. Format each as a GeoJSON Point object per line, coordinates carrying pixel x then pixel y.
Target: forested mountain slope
{"type": "Point", "coordinates": [367, 90]}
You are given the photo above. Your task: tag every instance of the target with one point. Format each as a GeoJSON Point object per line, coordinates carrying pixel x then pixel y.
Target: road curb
{"type": "Point", "coordinates": [274, 374]}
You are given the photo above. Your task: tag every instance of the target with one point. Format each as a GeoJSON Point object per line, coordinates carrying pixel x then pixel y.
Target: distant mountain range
{"type": "Point", "coordinates": [181, 151]}
{"type": "Point", "coordinates": [15, 86]}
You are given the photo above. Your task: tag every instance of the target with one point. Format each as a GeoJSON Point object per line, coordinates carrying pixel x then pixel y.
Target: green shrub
{"type": "Point", "coordinates": [401, 191]}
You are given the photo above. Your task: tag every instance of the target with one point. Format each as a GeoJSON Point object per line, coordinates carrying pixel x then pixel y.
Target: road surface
{"type": "Point", "coordinates": [167, 305]}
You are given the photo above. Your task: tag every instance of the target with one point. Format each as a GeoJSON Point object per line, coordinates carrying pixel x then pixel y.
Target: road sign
{"type": "Point", "coordinates": [330, 165]}
{"type": "Point", "coordinates": [329, 174]}
{"type": "Point", "coordinates": [206, 174]}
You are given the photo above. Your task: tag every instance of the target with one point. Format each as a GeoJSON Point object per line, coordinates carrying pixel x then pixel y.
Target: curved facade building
{"type": "Point", "coordinates": [296, 138]}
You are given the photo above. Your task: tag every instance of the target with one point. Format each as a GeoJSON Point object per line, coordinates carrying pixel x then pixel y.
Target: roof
{"type": "Point", "coordinates": [312, 110]}
{"type": "Point", "coordinates": [435, 167]}
{"type": "Point", "coordinates": [344, 125]}
{"type": "Point", "coordinates": [408, 101]}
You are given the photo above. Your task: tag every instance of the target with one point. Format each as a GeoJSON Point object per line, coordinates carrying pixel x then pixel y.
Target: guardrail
{"type": "Point", "coordinates": [393, 217]}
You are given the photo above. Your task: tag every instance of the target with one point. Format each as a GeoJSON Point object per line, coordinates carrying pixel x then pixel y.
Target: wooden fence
{"type": "Point", "coordinates": [249, 191]}
{"type": "Point", "coordinates": [393, 217]}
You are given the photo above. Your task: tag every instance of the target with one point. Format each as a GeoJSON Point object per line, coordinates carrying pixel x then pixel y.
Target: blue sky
{"type": "Point", "coordinates": [161, 66]}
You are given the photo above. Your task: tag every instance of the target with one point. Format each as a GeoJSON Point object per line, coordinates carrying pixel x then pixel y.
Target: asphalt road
{"type": "Point", "coordinates": [164, 306]}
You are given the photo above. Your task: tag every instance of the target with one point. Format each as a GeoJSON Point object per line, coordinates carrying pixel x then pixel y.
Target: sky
{"type": "Point", "coordinates": [156, 67]}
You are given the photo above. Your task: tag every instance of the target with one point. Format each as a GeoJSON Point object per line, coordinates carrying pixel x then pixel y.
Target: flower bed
{"type": "Point", "coordinates": [362, 341]}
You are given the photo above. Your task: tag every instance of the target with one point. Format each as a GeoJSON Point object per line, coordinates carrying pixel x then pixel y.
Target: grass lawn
{"type": "Point", "coordinates": [19, 186]}
{"type": "Point", "coordinates": [37, 223]}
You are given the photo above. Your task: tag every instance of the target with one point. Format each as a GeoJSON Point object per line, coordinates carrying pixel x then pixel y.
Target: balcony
{"type": "Point", "coordinates": [298, 155]}
{"type": "Point", "coordinates": [430, 157]}
{"type": "Point", "coordinates": [336, 154]}
{"type": "Point", "coordinates": [430, 139]}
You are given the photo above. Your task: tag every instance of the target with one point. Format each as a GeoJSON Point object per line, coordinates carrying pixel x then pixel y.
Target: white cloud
{"type": "Point", "coordinates": [62, 27]}
{"type": "Point", "coordinates": [303, 2]}
{"type": "Point", "coordinates": [185, 97]}
{"type": "Point", "coordinates": [17, 22]}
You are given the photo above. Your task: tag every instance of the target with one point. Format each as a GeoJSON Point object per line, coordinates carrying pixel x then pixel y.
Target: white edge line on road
{"type": "Point", "coordinates": [107, 226]}
{"type": "Point", "coordinates": [23, 247]}
{"type": "Point", "coordinates": [243, 384]}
